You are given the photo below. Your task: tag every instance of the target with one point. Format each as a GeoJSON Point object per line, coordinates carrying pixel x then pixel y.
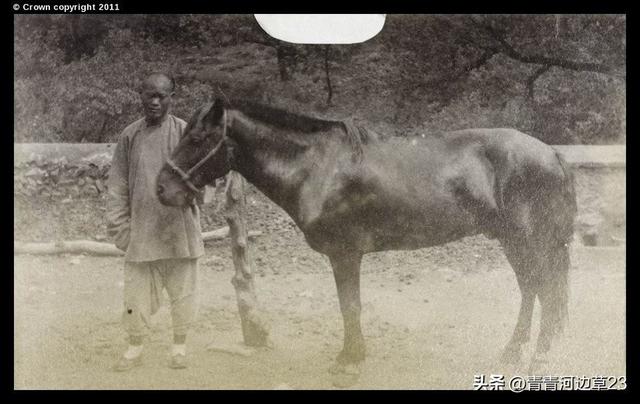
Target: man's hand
{"type": "Point", "coordinates": [121, 237]}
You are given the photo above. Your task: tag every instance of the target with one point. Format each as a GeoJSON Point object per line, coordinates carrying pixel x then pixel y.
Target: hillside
{"type": "Point", "coordinates": [559, 78]}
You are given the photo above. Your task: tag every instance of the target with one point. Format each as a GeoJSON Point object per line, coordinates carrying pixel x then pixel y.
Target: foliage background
{"type": "Point", "coordinates": [561, 78]}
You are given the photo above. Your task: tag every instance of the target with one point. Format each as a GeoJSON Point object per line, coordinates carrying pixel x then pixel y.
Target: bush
{"type": "Point", "coordinates": [76, 76]}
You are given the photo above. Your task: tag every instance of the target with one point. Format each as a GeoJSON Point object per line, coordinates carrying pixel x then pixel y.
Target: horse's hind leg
{"type": "Point", "coordinates": [553, 296]}
{"type": "Point", "coordinates": [523, 264]}
{"type": "Point", "coordinates": [346, 270]}
{"type": "Point", "coordinates": [541, 270]}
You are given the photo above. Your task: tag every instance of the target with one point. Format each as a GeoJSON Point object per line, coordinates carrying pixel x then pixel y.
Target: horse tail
{"type": "Point", "coordinates": [560, 215]}
{"type": "Point", "coordinates": [554, 291]}
{"type": "Point", "coordinates": [565, 207]}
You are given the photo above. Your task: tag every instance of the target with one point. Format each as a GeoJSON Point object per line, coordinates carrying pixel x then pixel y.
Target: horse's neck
{"type": "Point", "coordinates": [274, 162]}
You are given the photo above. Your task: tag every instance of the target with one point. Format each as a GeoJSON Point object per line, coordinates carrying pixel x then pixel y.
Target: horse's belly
{"type": "Point", "coordinates": [395, 214]}
{"type": "Point", "coordinates": [389, 231]}
{"type": "Point", "coordinates": [420, 234]}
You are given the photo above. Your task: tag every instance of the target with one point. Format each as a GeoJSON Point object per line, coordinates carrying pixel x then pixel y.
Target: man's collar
{"type": "Point", "coordinates": [163, 120]}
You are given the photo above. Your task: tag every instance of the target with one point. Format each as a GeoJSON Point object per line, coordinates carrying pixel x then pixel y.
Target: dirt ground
{"type": "Point", "coordinates": [432, 318]}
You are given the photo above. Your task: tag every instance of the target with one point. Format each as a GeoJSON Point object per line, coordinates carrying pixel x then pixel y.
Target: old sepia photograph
{"type": "Point", "coordinates": [204, 202]}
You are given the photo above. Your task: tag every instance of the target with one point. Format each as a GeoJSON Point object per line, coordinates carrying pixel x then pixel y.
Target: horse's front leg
{"type": "Point", "coordinates": [346, 271]}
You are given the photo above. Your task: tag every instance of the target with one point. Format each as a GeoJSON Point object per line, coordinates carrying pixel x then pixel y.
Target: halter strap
{"type": "Point", "coordinates": [186, 176]}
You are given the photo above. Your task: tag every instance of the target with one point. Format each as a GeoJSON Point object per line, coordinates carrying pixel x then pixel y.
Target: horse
{"type": "Point", "coordinates": [352, 191]}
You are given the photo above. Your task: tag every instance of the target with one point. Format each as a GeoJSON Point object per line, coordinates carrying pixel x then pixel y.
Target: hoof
{"type": "Point", "coordinates": [344, 375]}
{"type": "Point", "coordinates": [511, 356]}
{"type": "Point", "coordinates": [345, 368]}
{"type": "Point", "coordinates": [538, 364]}
{"type": "Point", "coordinates": [351, 356]}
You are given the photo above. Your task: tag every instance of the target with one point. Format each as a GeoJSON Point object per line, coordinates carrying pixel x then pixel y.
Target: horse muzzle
{"type": "Point", "coordinates": [171, 192]}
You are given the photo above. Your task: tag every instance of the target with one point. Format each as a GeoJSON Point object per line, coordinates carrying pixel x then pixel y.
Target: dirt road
{"type": "Point", "coordinates": [432, 319]}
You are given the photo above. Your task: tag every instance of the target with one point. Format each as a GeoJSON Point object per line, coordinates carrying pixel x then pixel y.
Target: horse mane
{"type": "Point", "coordinates": [356, 135]}
{"type": "Point", "coordinates": [281, 118]}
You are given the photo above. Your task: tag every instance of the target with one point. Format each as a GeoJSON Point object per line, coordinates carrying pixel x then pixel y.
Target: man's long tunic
{"type": "Point", "coordinates": [140, 224]}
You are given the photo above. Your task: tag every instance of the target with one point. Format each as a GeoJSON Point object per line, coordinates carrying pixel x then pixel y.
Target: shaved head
{"type": "Point", "coordinates": [156, 92]}
{"type": "Point", "coordinates": [159, 80]}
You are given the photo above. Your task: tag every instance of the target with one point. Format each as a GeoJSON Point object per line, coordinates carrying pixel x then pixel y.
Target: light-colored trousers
{"type": "Point", "coordinates": [143, 286]}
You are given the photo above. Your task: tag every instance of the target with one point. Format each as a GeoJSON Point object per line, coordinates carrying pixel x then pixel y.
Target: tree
{"type": "Point", "coordinates": [560, 78]}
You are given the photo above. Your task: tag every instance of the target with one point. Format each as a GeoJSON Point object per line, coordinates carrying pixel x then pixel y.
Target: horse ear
{"type": "Point", "coordinates": [215, 113]}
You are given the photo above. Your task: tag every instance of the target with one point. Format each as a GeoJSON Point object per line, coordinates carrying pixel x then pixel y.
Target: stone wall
{"type": "Point", "coordinates": [600, 178]}
{"type": "Point", "coordinates": [61, 170]}
{"type": "Point", "coordinates": [67, 171]}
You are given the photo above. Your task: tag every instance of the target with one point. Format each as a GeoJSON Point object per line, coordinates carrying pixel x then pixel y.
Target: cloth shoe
{"type": "Point", "coordinates": [125, 364]}
{"type": "Point", "coordinates": [178, 361]}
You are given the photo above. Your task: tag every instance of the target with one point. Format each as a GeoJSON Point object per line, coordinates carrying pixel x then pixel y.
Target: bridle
{"type": "Point", "coordinates": [186, 176]}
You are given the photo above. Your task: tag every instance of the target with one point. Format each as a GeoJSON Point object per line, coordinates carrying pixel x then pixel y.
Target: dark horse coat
{"type": "Point", "coordinates": [352, 191]}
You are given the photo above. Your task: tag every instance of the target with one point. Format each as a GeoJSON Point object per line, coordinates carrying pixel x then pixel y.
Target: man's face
{"type": "Point", "coordinates": [156, 95]}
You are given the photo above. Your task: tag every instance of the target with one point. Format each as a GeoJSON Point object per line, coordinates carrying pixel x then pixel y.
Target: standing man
{"type": "Point", "coordinates": [162, 243]}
